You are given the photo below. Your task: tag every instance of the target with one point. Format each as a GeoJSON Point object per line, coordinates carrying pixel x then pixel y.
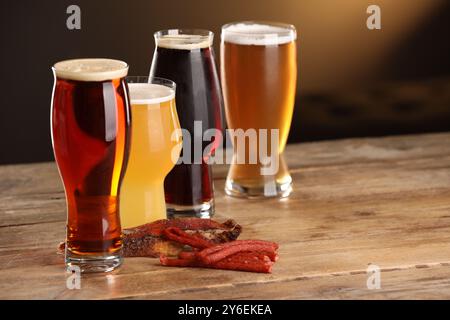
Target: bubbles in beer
{"type": "Point", "coordinates": [149, 93]}
{"type": "Point", "coordinates": [250, 33]}
{"type": "Point", "coordinates": [91, 69]}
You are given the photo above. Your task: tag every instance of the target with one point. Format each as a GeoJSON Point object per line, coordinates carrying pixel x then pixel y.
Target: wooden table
{"type": "Point", "coordinates": [356, 202]}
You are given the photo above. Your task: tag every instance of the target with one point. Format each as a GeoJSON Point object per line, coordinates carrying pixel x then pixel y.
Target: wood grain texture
{"type": "Point", "coordinates": [384, 201]}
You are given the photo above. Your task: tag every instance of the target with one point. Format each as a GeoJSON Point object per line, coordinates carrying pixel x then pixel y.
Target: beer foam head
{"type": "Point", "coordinates": [149, 93]}
{"type": "Point", "coordinates": [258, 33]}
{"type": "Point", "coordinates": [184, 39]}
{"type": "Point", "coordinates": [91, 69]}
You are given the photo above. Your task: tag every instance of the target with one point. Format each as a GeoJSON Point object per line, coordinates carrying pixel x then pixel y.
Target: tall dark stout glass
{"type": "Point", "coordinates": [90, 132]}
{"type": "Point", "coordinates": [186, 57]}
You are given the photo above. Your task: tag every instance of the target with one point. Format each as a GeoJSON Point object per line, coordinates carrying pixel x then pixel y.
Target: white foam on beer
{"type": "Point", "coordinates": [184, 41]}
{"type": "Point", "coordinates": [257, 34]}
{"type": "Point", "coordinates": [97, 69]}
{"type": "Point", "coordinates": [149, 93]}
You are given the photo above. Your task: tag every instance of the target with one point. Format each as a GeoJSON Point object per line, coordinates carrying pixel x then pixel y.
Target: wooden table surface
{"type": "Point", "coordinates": [383, 201]}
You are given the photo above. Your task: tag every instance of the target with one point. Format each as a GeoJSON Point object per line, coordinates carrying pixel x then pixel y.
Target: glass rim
{"type": "Point", "coordinates": [184, 39]}
{"type": "Point", "coordinates": [186, 31]}
{"type": "Point", "coordinates": [288, 28]}
{"type": "Point", "coordinates": [142, 80]}
{"type": "Point", "coordinates": [152, 80]}
{"type": "Point", "coordinates": [63, 69]}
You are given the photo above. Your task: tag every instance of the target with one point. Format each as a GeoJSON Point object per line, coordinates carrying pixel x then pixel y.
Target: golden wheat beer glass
{"type": "Point", "coordinates": [155, 148]}
{"type": "Point", "coordinates": [259, 73]}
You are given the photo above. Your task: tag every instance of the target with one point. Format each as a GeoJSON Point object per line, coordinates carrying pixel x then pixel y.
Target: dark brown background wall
{"type": "Point", "coordinates": [353, 82]}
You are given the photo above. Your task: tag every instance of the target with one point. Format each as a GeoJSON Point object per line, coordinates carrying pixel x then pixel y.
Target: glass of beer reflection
{"type": "Point", "coordinates": [155, 148]}
{"type": "Point", "coordinates": [186, 57]}
{"type": "Point", "coordinates": [258, 72]}
{"type": "Point", "coordinates": [90, 122]}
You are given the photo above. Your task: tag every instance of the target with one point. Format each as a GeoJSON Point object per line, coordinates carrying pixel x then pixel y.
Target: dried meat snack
{"type": "Point", "coordinates": [149, 241]}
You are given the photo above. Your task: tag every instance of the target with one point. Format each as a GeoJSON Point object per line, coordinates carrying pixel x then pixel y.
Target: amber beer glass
{"type": "Point", "coordinates": [258, 72]}
{"type": "Point", "coordinates": [90, 120]}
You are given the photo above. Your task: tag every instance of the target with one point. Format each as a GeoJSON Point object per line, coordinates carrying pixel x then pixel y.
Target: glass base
{"type": "Point", "coordinates": [204, 210]}
{"type": "Point", "coordinates": [270, 189]}
{"type": "Point", "coordinates": [90, 264]}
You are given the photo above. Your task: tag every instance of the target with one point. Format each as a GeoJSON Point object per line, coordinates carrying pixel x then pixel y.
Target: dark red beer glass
{"type": "Point", "coordinates": [90, 120]}
{"type": "Point", "coordinates": [187, 58]}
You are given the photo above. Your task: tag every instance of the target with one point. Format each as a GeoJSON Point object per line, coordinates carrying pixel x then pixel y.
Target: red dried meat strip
{"type": "Point", "coordinates": [261, 267]}
{"type": "Point", "coordinates": [240, 262]}
{"type": "Point", "coordinates": [165, 261]}
{"type": "Point", "coordinates": [220, 252]}
{"type": "Point", "coordinates": [193, 240]}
